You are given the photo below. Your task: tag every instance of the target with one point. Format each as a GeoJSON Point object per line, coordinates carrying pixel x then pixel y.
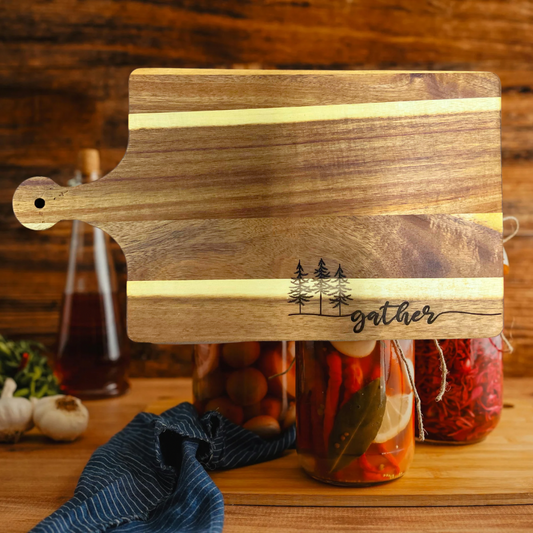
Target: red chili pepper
{"type": "Point", "coordinates": [376, 372]}
{"type": "Point", "coordinates": [370, 472]}
{"type": "Point", "coordinates": [332, 396]}
{"type": "Point", "coordinates": [365, 464]}
{"type": "Point", "coordinates": [353, 380]}
{"type": "Point", "coordinates": [371, 476]}
{"type": "Point", "coordinates": [23, 361]}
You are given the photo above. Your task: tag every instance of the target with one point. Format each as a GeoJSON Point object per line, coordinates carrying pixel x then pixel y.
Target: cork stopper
{"type": "Point", "coordinates": [89, 164]}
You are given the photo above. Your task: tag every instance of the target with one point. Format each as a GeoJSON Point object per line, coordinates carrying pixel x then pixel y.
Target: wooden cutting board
{"type": "Point", "coordinates": [497, 471]}
{"type": "Point", "coordinates": [309, 205]}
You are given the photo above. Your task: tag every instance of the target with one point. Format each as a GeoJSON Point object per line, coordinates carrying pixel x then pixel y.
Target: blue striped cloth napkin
{"type": "Point", "coordinates": [151, 476]}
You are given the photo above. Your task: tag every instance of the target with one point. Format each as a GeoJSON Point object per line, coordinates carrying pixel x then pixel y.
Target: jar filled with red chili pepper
{"type": "Point", "coordinates": [250, 383]}
{"type": "Point", "coordinates": [355, 406]}
{"type": "Point", "coordinates": [471, 407]}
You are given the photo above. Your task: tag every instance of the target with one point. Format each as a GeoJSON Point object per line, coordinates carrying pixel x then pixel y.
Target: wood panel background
{"type": "Point", "coordinates": [64, 67]}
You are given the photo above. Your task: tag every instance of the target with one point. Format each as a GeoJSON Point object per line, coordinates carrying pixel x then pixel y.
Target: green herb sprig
{"type": "Point", "coordinates": [25, 363]}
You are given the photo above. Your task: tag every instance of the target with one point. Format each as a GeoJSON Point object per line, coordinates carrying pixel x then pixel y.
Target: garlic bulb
{"type": "Point", "coordinates": [60, 417]}
{"type": "Point", "coordinates": [15, 413]}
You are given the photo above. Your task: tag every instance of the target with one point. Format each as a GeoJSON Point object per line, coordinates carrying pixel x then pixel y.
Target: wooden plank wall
{"type": "Point", "coordinates": [64, 67]}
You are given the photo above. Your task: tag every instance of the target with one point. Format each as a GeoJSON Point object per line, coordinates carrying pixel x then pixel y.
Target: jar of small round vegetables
{"type": "Point", "coordinates": [471, 407]}
{"type": "Point", "coordinates": [355, 406]}
{"type": "Point", "coordinates": [250, 383]}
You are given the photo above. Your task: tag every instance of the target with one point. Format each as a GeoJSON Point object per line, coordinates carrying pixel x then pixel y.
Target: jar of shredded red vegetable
{"type": "Point", "coordinates": [471, 407]}
{"type": "Point", "coordinates": [250, 383]}
{"type": "Point", "coordinates": [355, 406]}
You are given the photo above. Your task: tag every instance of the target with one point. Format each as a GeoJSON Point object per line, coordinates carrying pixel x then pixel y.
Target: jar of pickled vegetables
{"type": "Point", "coordinates": [250, 383]}
{"type": "Point", "coordinates": [471, 407]}
{"type": "Point", "coordinates": [355, 406]}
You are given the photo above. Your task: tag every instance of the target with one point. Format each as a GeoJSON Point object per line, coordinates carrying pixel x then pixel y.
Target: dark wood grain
{"type": "Point", "coordinates": [497, 519]}
{"type": "Point", "coordinates": [283, 33]}
{"type": "Point", "coordinates": [162, 92]}
{"type": "Point", "coordinates": [64, 70]}
{"type": "Point", "coordinates": [155, 317]}
{"type": "Point", "coordinates": [393, 246]}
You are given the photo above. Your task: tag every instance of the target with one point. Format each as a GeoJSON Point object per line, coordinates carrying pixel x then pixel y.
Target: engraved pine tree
{"type": "Point", "coordinates": [322, 281]}
{"type": "Point", "coordinates": [299, 293]}
{"type": "Point", "coordinates": [339, 293]}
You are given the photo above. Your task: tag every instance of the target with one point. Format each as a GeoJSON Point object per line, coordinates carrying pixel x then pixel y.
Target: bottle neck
{"type": "Point", "coordinates": [90, 266]}
{"type": "Point", "coordinates": [80, 178]}
{"type": "Point", "coordinates": [88, 178]}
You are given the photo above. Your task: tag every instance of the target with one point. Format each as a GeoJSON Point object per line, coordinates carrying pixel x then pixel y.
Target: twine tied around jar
{"type": "Point", "coordinates": [411, 378]}
{"type": "Point", "coordinates": [510, 347]}
{"type": "Point", "coordinates": [515, 231]}
{"type": "Point", "coordinates": [443, 372]}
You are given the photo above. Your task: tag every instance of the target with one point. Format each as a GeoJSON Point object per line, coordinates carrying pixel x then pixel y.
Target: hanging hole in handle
{"type": "Point", "coordinates": [39, 203]}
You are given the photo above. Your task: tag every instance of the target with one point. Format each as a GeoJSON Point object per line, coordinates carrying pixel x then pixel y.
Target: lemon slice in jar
{"type": "Point", "coordinates": [354, 348]}
{"type": "Point", "coordinates": [398, 411]}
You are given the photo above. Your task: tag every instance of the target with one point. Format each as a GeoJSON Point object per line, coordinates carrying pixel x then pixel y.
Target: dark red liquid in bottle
{"type": "Point", "coordinates": [93, 358]}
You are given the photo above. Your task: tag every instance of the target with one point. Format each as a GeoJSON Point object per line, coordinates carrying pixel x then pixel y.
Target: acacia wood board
{"type": "Point", "coordinates": [267, 205]}
{"type": "Point", "coordinates": [497, 471]}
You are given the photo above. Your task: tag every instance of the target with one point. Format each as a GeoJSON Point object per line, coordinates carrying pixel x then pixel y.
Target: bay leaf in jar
{"type": "Point", "coordinates": [356, 425]}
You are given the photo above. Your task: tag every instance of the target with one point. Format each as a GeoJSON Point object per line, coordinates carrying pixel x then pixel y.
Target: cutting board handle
{"type": "Point", "coordinates": [39, 202]}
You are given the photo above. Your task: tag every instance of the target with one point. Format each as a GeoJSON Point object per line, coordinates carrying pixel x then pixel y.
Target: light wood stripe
{"type": "Point", "coordinates": [37, 226]}
{"type": "Point", "coordinates": [492, 221]}
{"type": "Point", "coordinates": [286, 115]}
{"type": "Point", "coordinates": [361, 289]}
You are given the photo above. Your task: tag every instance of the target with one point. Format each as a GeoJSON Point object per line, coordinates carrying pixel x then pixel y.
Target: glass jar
{"type": "Point", "coordinates": [250, 383]}
{"type": "Point", "coordinates": [355, 406]}
{"type": "Point", "coordinates": [472, 404]}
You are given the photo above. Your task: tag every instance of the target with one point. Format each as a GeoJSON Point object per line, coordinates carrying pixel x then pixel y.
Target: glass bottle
{"type": "Point", "coordinates": [93, 353]}
{"type": "Point", "coordinates": [472, 404]}
{"type": "Point", "coordinates": [250, 383]}
{"type": "Point", "coordinates": [355, 406]}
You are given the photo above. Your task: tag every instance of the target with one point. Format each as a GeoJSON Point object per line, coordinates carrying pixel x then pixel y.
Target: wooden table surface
{"type": "Point", "coordinates": [37, 476]}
